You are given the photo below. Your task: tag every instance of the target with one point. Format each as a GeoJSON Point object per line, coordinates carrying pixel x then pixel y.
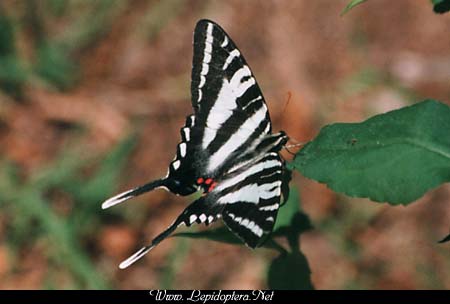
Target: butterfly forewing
{"type": "Point", "coordinates": [229, 110]}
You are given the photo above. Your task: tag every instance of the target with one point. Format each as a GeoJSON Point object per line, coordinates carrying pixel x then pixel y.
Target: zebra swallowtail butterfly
{"type": "Point", "coordinates": [227, 150]}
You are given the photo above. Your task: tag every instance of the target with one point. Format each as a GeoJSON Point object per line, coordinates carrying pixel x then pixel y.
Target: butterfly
{"type": "Point", "coordinates": [227, 149]}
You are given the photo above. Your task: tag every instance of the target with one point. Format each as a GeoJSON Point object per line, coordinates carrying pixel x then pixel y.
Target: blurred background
{"type": "Point", "coordinates": [92, 97]}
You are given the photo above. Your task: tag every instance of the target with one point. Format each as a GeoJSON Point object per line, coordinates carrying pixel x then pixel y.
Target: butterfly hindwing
{"type": "Point", "coordinates": [252, 198]}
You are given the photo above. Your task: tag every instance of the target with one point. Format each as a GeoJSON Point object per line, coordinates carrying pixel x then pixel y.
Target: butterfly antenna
{"type": "Point", "coordinates": [289, 151]}
{"type": "Point", "coordinates": [285, 108]}
{"type": "Point", "coordinates": [121, 197]}
{"type": "Point", "coordinates": [298, 144]}
{"type": "Point", "coordinates": [144, 250]}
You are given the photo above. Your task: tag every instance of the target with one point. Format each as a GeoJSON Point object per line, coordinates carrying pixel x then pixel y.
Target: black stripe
{"type": "Point", "coordinates": [259, 178]}
{"type": "Point", "coordinates": [249, 95]}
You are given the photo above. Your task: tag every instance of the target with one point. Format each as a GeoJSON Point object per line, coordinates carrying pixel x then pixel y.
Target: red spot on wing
{"type": "Point", "coordinates": [200, 180]}
{"type": "Point", "coordinates": [208, 181]}
{"type": "Point", "coordinates": [213, 185]}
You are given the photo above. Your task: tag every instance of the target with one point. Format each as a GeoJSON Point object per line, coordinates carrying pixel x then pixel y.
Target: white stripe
{"type": "Point", "coordinates": [114, 200]}
{"type": "Point", "coordinates": [248, 194]}
{"type": "Point", "coordinates": [240, 165]}
{"type": "Point", "coordinates": [202, 81]}
{"type": "Point", "coordinates": [209, 37]}
{"type": "Point", "coordinates": [257, 230]}
{"type": "Point", "coordinates": [192, 218]}
{"type": "Point", "coordinates": [219, 113]}
{"type": "Point", "coordinates": [208, 48]}
{"type": "Point", "coordinates": [242, 176]}
{"type": "Point", "coordinates": [202, 218]}
{"type": "Point", "coordinates": [136, 256]}
{"type": "Point", "coordinates": [176, 164]}
{"type": "Point", "coordinates": [206, 59]}
{"type": "Point", "coordinates": [225, 42]}
{"type": "Point", "coordinates": [270, 208]}
{"type": "Point", "coordinates": [252, 194]}
{"type": "Point", "coordinates": [187, 134]}
{"type": "Point", "coordinates": [266, 131]}
{"type": "Point", "coordinates": [183, 149]}
{"type": "Point", "coordinates": [205, 69]}
{"type": "Point", "coordinates": [234, 53]}
{"type": "Point", "coordinates": [252, 226]}
{"type": "Point", "coordinates": [270, 174]}
{"type": "Point", "coordinates": [252, 101]}
{"type": "Point", "coordinates": [245, 222]}
{"type": "Point", "coordinates": [210, 218]}
{"type": "Point", "coordinates": [254, 160]}
{"type": "Point", "coordinates": [237, 139]}
{"type": "Point", "coordinates": [236, 83]}
{"type": "Point", "coordinates": [265, 192]}
{"type": "Point", "coordinates": [226, 103]}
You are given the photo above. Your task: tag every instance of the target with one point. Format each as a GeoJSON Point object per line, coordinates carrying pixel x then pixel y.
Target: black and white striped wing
{"type": "Point", "coordinates": [251, 198]}
{"type": "Point", "coordinates": [230, 113]}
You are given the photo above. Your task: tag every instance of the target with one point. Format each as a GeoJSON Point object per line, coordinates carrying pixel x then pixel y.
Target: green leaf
{"type": "Point", "coordinates": [393, 157]}
{"type": "Point", "coordinates": [290, 271]}
{"type": "Point", "coordinates": [441, 6]}
{"type": "Point", "coordinates": [288, 210]}
{"type": "Point", "coordinates": [351, 5]}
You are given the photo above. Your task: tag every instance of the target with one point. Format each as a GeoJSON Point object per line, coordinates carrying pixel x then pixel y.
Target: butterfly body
{"type": "Point", "coordinates": [227, 150]}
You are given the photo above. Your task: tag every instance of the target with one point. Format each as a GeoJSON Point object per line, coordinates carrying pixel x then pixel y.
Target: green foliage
{"type": "Point", "coordinates": [55, 66]}
{"type": "Point", "coordinates": [351, 5]}
{"type": "Point", "coordinates": [65, 234]}
{"type": "Point", "coordinates": [7, 39]}
{"type": "Point", "coordinates": [441, 6]}
{"type": "Point", "coordinates": [12, 72]}
{"type": "Point", "coordinates": [12, 75]}
{"type": "Point", "coordinates": [394, 157]}
{"type": "Point", "coordinates": [55, 57]}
